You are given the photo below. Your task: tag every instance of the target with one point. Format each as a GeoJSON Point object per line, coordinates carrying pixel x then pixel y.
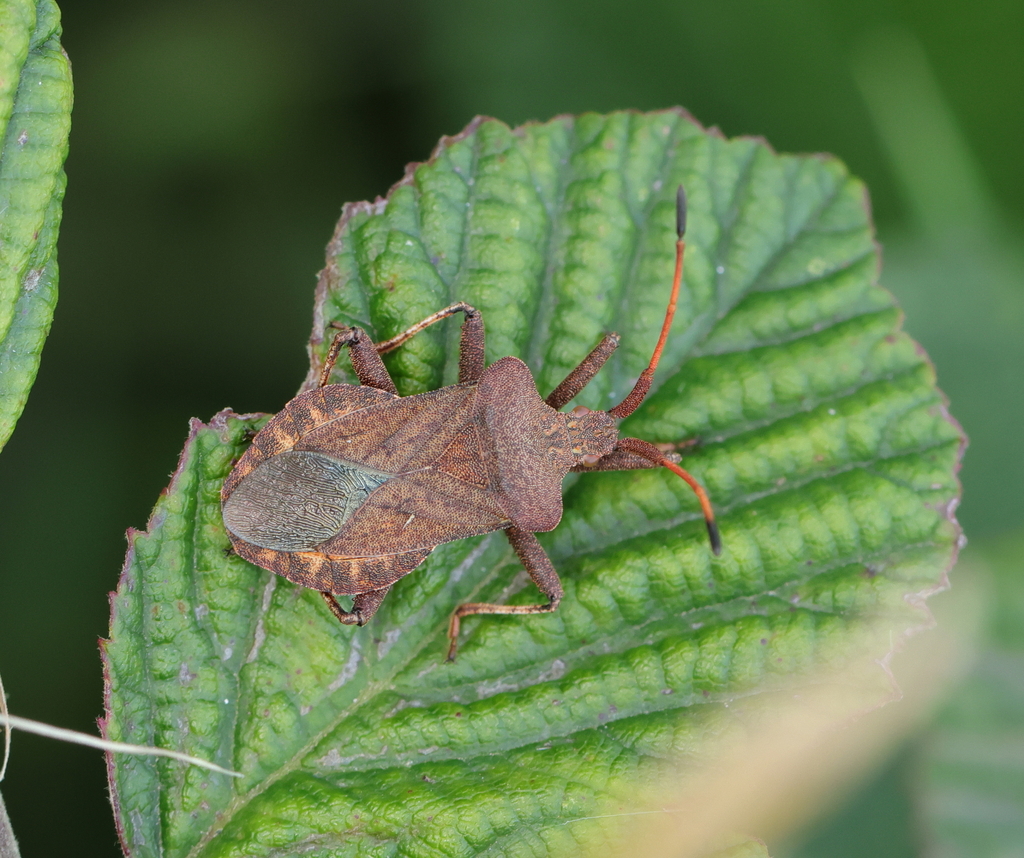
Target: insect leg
{"type": "Point", "coordinates": [540, 570]}
{"type": "Point", "coordinates": [580, 377]}
{"type": "Point", "coordinates": [471, 345]}
{"type": "Point", "coordinates": [364, 606]}
{"type": "Point", "coordinates": [370, 369]}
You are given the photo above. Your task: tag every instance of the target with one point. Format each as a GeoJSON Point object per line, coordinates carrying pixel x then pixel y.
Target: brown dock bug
{"type": "Point", "coordinates": [350, 487]}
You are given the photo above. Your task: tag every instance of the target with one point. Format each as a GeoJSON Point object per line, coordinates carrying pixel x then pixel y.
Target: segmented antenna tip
{"type": "Point", "coordinates": [680, 212]}
{"type": "Point", "coordinates": [716, 539]}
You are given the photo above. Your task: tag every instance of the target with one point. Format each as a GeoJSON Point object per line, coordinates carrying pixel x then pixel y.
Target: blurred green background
{"type": "Point", "coordinates": [213, 145]}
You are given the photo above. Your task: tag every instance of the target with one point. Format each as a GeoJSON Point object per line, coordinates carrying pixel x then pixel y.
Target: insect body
{"type": "Point", "coordinates": [350, 487]}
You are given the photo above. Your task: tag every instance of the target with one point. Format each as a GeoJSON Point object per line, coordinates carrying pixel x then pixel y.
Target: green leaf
{"type": "Point", "coordinates": [35, 118]}
{"type": "Point", "coordinates": [824, 444]}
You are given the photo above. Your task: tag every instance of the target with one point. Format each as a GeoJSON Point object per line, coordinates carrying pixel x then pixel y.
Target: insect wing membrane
{"type": "Point", "coordinates": [298, 499]}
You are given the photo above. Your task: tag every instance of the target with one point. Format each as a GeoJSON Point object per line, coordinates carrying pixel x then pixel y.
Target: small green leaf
{"type": "Point", "coordinates": [35, 118]}
{"type": "Point", "coordinates": [824, 444]}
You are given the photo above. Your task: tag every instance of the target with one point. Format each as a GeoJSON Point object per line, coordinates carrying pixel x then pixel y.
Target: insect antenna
{"type": "Point", "coordinates": [643, 384]}
{"type": "Point", "coordinates": [648, 451]}
{"type": "Point", "coordinates": [705, 505]}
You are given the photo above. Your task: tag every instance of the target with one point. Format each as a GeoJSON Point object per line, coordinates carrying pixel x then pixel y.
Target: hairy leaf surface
{"type": "Point", "coordinates": [35, 118]}
{"type": "Point", "coordinates": [823, 441]}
